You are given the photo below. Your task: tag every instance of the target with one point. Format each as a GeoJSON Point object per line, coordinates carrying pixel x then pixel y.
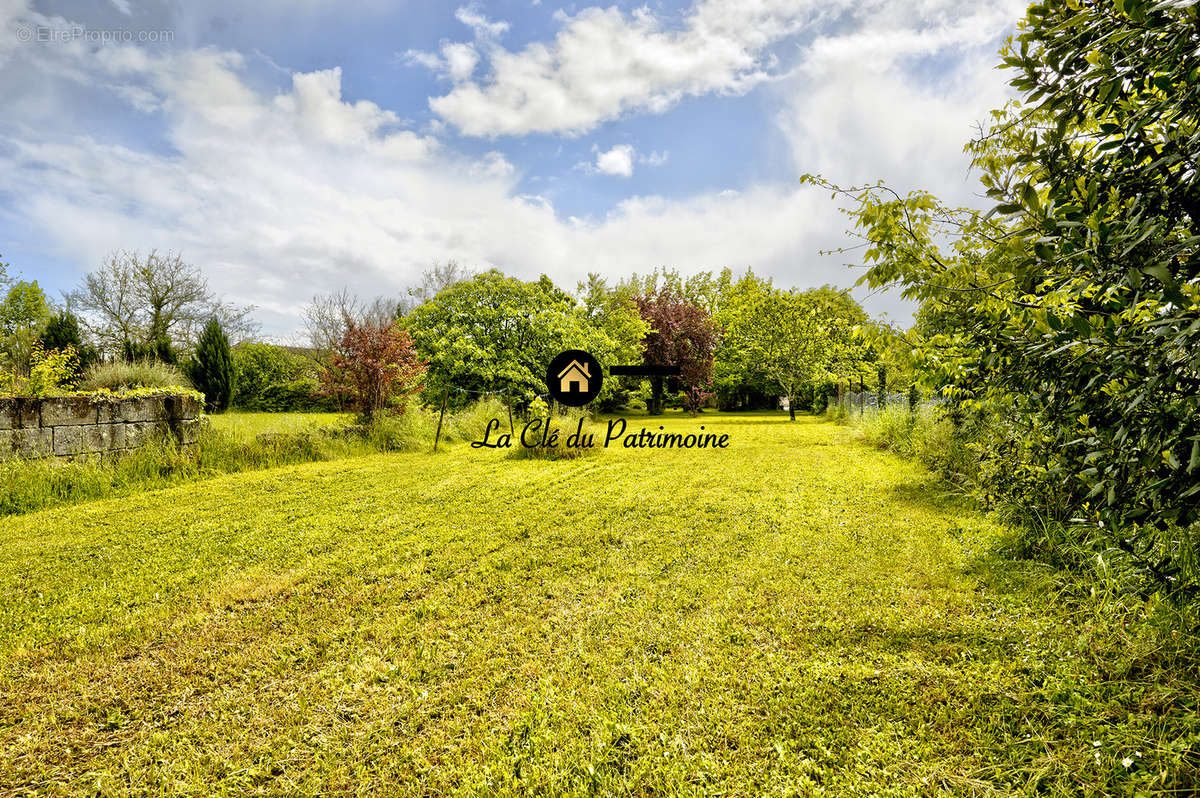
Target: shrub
{"type": "Point", "coordinates": [50, 373]}
{"type": "Point", "coordinates": [118, 376]}
{"type": "Point", "coordinates": [297, 396]}
{"type": "Point", "coordinates": [257, 367]}
{"type": "Point", "coordinates": [212, 369]}
{"type": "Point", "coordinates": [376, 365]}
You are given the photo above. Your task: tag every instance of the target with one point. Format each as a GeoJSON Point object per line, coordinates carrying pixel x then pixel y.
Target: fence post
{"type": "Point", "coordinates": [438, 436]}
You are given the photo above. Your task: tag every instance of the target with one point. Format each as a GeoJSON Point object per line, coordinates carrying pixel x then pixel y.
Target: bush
{"type": "Point", "coordinates": [212, 369]}
{"type": "Point", "coordinates": [297, 396]}
{"type": "Point", "coordinates": [375, 364]}
{"type": "Point", "coordinates": [268, 376]}
{"type": "Point", "coordinates": [50, 373]}
{"type": "Point", "coordinates": [120, 376]}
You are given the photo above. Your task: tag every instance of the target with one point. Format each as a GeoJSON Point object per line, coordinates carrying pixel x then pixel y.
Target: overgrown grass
{"type": "Point", "coordinates": [117, 375]}
{"type": "Point", "coordinates": [797, 614]}
{"type": "Point", "coordinates": [234, 442]}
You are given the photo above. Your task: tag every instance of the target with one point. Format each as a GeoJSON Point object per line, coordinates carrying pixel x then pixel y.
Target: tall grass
{"type": "Point", "coordinates": [926, 435]}
{"type": "Point", "coordinates": [118, 375]}
{"type": "Point", "coordinates": [30, 485]}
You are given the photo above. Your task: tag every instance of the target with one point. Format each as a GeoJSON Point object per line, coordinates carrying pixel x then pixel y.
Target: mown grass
{"type": "Point", "coordinates": [797, 614]}
{"type": "Point", "coordinates": [246, 424]}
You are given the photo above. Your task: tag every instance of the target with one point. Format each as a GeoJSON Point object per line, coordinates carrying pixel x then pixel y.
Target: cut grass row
{"type": "Point", "coordinates": [795, 614]}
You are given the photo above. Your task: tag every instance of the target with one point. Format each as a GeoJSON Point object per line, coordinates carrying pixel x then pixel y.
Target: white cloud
{"type": "Point", "coordinates": [484, 28]}
{"type": "Point", "coordinates": [617, 161]}
{"type": "Point", "coordinates": [460, 60]}
{"type": "Point", "coordinates": [855, 111]}
{"type": "Point", "coordinates": [122, 6]}
{"type": "Point", "coordinates": [457, 61]}
{"type": "Point", "coordinates": [604, 63]}
{"type": "Point", "coordinates": [281, 194]}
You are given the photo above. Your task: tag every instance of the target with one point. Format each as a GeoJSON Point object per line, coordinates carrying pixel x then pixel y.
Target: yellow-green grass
{"type": "Point", "coordinates": [796, 614]}
{"type": "Point", "coordinates": [247, 423]}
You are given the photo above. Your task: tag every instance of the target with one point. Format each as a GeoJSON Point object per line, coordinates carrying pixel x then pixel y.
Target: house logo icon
{"type": "Point", "coordinates": [574, 378]}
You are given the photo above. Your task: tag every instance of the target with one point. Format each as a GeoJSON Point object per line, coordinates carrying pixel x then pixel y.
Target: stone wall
{"type": "Point", "coordinates": [85, 427]}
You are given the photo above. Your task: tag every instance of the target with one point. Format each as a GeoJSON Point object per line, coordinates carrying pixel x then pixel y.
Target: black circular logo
{"type": "Point", "coordinates": [574, 378]}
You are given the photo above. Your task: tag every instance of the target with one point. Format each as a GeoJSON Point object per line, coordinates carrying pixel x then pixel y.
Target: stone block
{"type": "Point", "coordinates": [189, 430]}
{"type": "Point", "coordinates": [146, 408]}
{"type": "Point", "coordinates": [114, 436]}
{"type": "Point", "coordinates": [68, 411]}
{"type": "Point", "coordinates": [31, 442]}
{"type": "Point", "coordinates": [138, 433]}
{"type": "Point", "coordinates": [19, 413]}
{"type": "Point", "coordinates": [81, 439]}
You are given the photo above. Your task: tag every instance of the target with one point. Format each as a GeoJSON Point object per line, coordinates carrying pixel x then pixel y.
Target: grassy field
{"type": "Point", "coordinates": [797, 614]}
{"type": "Point", "coordinates": [246, 424]}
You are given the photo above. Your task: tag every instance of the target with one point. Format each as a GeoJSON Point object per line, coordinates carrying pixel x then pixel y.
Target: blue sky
{"type": "Point", "coordinates": [290, 149]}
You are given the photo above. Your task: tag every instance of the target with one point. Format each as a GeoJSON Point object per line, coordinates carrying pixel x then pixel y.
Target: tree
{"type": "Point", "coordinates": [375, 364]}
{"type": "Point", "coordinates": [436, 279]}
{"type": "Point", "coordinates": [62, 331]}
{"type": "Point", "coordinates": [794, 339]}
{"type": "Point", "coordinates": [154, 301]}
{"type": "Point", "coordinates": [258, 366]}
{"type": "Point", "coordinates": [24, 314]}
{"type": "Point", "coordinates": [681, 334]}
{"type": "Point", "coordinates": [212, 370]}
{"type": "Point", "coordinates": [737, 379]}
{"type": "Point", "coordinates": [496, 334]}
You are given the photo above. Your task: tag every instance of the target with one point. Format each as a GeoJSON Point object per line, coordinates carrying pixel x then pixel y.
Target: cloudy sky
{"type": "Point", "coordinates": [295, 148]}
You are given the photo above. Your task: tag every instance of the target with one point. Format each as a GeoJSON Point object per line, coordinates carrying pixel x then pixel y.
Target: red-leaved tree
{"type": "Point", "coordinates": [375, 365]}
{"type": "Point", "coordinates": [681, 334]}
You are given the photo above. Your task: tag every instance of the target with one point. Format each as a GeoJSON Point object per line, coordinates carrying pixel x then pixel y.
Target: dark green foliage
{"type": "Point", "coordinates": [212, 370]}
{"type": "Point", "coordinates": [164, 352]}
{"type": "Point", "coordinates": [62, 331]}
{"type": "Point", "coordinates": [268, 377]}
{"type": "Point", "coordinates": [136, 351]}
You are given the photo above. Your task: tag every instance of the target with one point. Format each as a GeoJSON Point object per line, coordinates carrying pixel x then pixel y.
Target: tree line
{"type": "Point", "coordinates": [739, 341]}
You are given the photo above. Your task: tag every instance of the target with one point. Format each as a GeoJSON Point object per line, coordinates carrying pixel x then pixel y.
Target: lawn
{"type": "Point", "coordinates": [796, 614]}
{"type": "Point", "coordinates": [247, 424]}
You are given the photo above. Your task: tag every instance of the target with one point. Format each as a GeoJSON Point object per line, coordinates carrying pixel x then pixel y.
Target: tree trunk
{"type": "Point", "coordinates": [656, 396]}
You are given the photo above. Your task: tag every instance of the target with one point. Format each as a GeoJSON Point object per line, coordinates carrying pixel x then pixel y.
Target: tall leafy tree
{"type": "Point", "coordinates": [683, 334]}
{"type": "Point", "coordinates": [24, 313]}
{"type": "Point", "coordinates": [212, 370]}
{"type": "Point", "coordinates": [793, 340]}
{"type": "Point", "coordinates": [496, 334]}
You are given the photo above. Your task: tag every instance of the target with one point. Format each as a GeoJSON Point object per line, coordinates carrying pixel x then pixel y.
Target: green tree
{"type": "Point", "coordinates": [496, 334]}
{"type": "Point", "coordinates": [212, 370]}
{"type": "Point", "coordinates": [62, 331]}
{"type": "Point", "coordinates": [24, 313]}
{"type": "Point", "coordinates": [793, 339]}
